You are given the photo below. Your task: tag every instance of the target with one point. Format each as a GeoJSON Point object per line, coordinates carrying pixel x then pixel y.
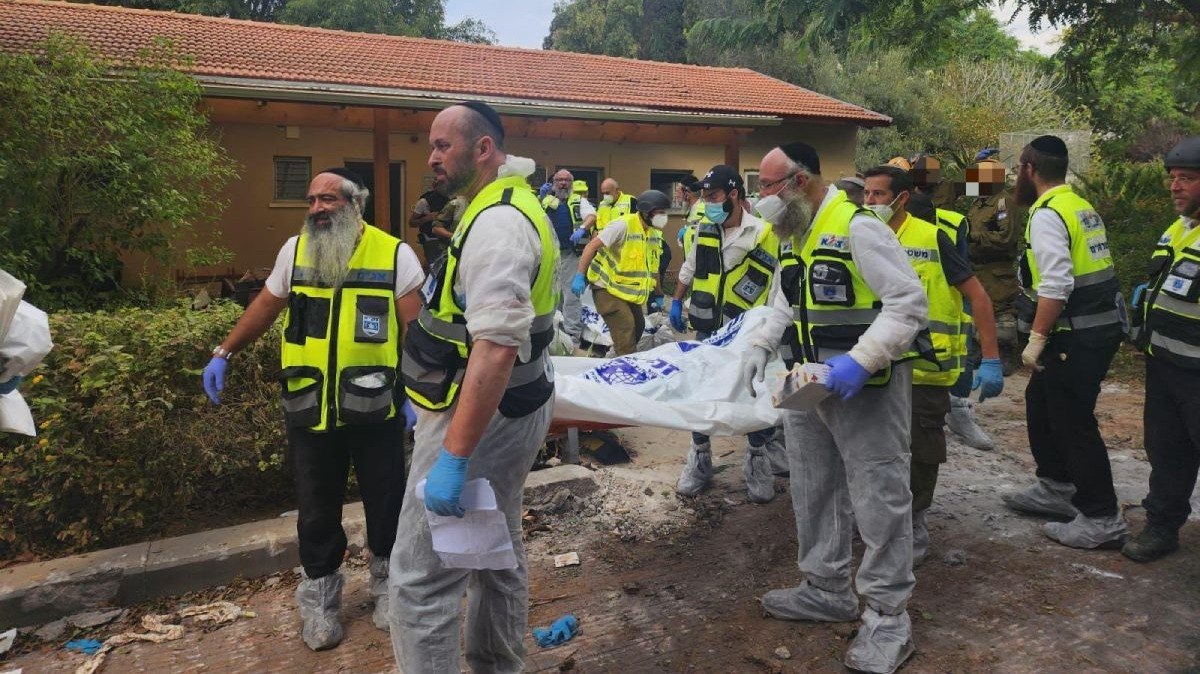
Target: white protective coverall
{"type": "Point", "coordinates": [849, 464]}
{"type": "Point", "coordinates": [496, 269]}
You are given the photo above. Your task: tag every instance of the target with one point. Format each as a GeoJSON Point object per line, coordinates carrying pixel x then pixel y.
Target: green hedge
{"type": "Point", "coordinates": [128, 443]}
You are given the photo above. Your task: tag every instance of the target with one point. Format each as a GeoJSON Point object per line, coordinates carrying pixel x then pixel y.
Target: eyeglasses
{"type": "Point", "coordinates": [768, 185]}
{"type": "Point", "coordinates": [1185, 181]}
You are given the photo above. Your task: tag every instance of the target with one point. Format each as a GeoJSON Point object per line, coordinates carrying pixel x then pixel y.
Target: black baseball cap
{"type": "Point", "coordinates": [723, 177]}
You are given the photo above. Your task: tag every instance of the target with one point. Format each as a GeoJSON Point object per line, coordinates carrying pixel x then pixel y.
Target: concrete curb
{"type": "Point", "coordinates": [32, 594]}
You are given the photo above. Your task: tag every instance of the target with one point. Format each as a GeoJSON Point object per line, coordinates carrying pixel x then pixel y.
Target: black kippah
{"type": "Point", "coordinates": [347, 174]}
{"type": "Point", "coordinates": [488, 113]}
{"type": "Point", "coordinates": [803, 154]}
{"type": "Point", "coordinates": [1050, 145]}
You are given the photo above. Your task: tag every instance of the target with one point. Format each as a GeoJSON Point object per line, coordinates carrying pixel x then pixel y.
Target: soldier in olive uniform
{"type": "Point", "coordinates": [997, 224]}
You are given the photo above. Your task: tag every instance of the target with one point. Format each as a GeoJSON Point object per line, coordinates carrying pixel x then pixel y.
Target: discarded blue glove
{"type": "Point", "coordinates": [676, 316]}
{"type": "Point", "coordinates": [85, 646]}
{"type": "Point", "coordinates": [214, 378]}
{"type": "Point", "coordinates": [410, 416]}
{"type": "Point", "coordinates": [578, 284]}
{"type": "Point", "coordinates": [11, 385]}
{"type": "Point", "coordinates": [560, 632]}
{"type": "Point", "coordinates": [578, 235]}
{"type": "Point", "coordinates": [846, 376]}
{"type": "Point", "coordinates": [989, 379]}
{"type": "Point", "coordinates": [986, 153]}
{"type": "Point", "coordinates": [1138, 291]}
{"type": "Point", "coordinates": [444, 484]}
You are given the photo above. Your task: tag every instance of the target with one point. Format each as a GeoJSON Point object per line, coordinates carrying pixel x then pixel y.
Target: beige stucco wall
{"type": "Point", "coordinates": [254, 228]}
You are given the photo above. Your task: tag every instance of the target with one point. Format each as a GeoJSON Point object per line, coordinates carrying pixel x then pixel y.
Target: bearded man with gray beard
{"type": "Point", "coordinates": [846, 296]}
{"type": "Point", "coordinates": [348, 287]}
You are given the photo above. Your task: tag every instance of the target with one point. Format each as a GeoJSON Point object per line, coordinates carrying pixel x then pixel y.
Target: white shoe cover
{"type": "Point", "coordinates": [1089, 533]}
{"type": "Point", "coordinates": [882, 644]}
{"type": "Point", "coordinates": [377, 587]}
{"type": "Point", "coordinates": [697, 470]}
{"type": "Point", "coordinates": [320, 600]}
{"type": "Point", "coordinates": [809, 602]}
{"type": "Point", "coordinates": [961, 421]}
{"type": "Point", "coordinates": [760, 481]}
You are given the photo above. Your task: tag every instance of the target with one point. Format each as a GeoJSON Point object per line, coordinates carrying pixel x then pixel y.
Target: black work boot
{"type": "Point", "coordinates": [1151, 543]}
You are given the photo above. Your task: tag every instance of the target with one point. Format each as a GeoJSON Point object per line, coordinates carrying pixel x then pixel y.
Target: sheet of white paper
{"type": "Point", "coordinates": [478, 540]}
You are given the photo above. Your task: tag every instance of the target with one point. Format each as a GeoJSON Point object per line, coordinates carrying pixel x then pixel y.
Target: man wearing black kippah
{"type": "Point", "coordinates": [1073, 312]}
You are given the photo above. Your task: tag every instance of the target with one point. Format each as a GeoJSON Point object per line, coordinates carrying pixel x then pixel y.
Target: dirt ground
{"type": "Point", "coordinates": [671, 585]}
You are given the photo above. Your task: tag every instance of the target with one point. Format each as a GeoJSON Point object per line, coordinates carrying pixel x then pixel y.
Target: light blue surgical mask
{"type": "Point", "coordinates": [715, 212]}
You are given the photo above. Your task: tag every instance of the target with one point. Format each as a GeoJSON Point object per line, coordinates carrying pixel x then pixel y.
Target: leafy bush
{"type": "Point", "coordinates": [128, 443]}
{"type": "Point", "coordinates": [1136, 208]}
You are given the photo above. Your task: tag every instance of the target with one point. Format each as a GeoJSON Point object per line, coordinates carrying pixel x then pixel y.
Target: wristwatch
{"type": "Point", "coordinates": [221, 352]}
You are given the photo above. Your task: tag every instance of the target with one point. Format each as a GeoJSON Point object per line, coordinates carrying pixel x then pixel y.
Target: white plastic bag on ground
{"type": "Point", "coordinates": [11, 292]}
{"type": "Point", "coordinates": [594, 329]}
{"type": "Point", "coordinates": [689, 386]}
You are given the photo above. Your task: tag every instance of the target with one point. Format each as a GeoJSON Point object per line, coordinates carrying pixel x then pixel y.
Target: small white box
{"type": "Point", "coordinates": [803, 387]}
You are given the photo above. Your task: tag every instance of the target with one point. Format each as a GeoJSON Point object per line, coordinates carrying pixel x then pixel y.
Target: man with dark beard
{"type": "Point", "coordinates": [1072, 309]}
{"type": "Point", "coordinates": [347, 288]}
{"type": "Point", "coordinates": [475, 362]}
{"type": "Point", "coordinates": [846, 296]}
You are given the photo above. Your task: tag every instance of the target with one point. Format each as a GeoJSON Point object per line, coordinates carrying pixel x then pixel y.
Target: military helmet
{"type": "Point", "coordinates": [1184, 155]}
{"type": "Point", "coordinates": [652, 200]}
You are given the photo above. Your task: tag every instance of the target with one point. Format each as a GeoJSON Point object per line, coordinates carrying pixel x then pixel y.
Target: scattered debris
{"type": "Point", "coordinates": [85, 646]}
{"type": "Point", "coordinates": [7, 639]}
{"type": "Point", "coordinates": [632, 588]}
{"type": "Point", "coordinates": [1098, 572]}
{"type": "Point", "coordinates": [90, 619]}
{"type": "Point", "coordinates": [560, 632]}
{"type": "Point", "coordinates": [955, 557]}
{"type": "Point", "coordinates": [566, 559]}
{"type": "Point", "coordinates": [783, 653]}
{"type": "Point", "coordinates": [52, 631]}
{"type": "Point", "coordinates": [159, 630]}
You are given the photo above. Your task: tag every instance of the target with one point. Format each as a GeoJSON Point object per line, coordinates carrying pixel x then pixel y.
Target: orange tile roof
{"type": "Point", "coordinates": [265, 51]}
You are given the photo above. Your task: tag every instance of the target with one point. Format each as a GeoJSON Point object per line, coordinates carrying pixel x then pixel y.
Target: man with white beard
{"type": "Point", "coordinates": [348, 287]}
{"type": "Point", "coordinates": [846, 296]}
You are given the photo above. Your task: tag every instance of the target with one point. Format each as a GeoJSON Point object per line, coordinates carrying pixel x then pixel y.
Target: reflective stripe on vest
{"type": "Point", "coordinates": [438, 344]}
{"type": "Point", "coordinates": [631, 276]}
{"type": "Point", "coordinates": [949, 341]}
{"type": "Point", "coordinates": [1172, 302]}
{"type": "Point", "coordinates": [606, 213]}
{"type": "Point", "coordinates": [1095, 301]}
{"type": "Point", "coordinates": [719, 294]}
{"type": "Point", "coordinates": [341, 345]}
{"type": "Point", "coordinates": [832, 306]}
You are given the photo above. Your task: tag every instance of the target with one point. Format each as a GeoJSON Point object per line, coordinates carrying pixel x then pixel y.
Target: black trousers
{"type": "Point", "coordinates": [1171, 421]}
{"type": "Point", "coordinates": [320, 463]}
{"type": "Point", "coordinates": [1060, 406]}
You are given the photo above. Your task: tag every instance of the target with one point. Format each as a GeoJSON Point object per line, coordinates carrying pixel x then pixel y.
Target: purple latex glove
{"type": "Point", "coordinates": [214, 378]}
{"type": "Point", "coordinates": [846, 376]}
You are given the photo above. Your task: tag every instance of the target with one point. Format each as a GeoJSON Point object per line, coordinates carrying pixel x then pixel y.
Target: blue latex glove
{"type": "Point", "coordinates": [214, 378]}
{"type": "Point", "coordinates": [560, 632]}
{"type": "Point", "coordinates": [655, 304]}
{"type": "Point", "coordinates": [11, 385]}
{"type": "Point", "coordinates": [85, 646]}
{"type": "Point", "coordinates": [846, 376]}
{"type": "Point", "coordinates": [578, 284]}
{"type": "Point", "coordinates": [676, 316]}
{"type": "Point", "coordinates": [1138, 291]}
{"type": "Point", "coordinates": [989, 379]}
{"type": "Point", "coordinates": [986, 153]}
{"type": "Point", "coordinates": [578, 235]}
{"type": "Point", "coordinates": [444, 484]}
{"type": "Point", "coordinates": [544, 189]}
{"type": "Point", "coordinates": [410, 416]}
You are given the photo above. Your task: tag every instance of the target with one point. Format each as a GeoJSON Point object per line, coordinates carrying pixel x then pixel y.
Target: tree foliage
{"type": "Point", "coordinates": [414, 18]}
{"type": "Point", "coordinates": [96, 162]}
{"type": "Point", "coordinates": [651, 30]}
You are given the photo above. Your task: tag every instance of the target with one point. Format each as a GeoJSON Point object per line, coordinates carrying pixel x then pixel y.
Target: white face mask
{"type": "Point", "coordinates": [884, 211]}
{"type": "Point", "coordinates": [658, 221]}
{"type": "Point", "coordinates": [606, 199]}
{"type": "Point", "coordinates": [770, 208]}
